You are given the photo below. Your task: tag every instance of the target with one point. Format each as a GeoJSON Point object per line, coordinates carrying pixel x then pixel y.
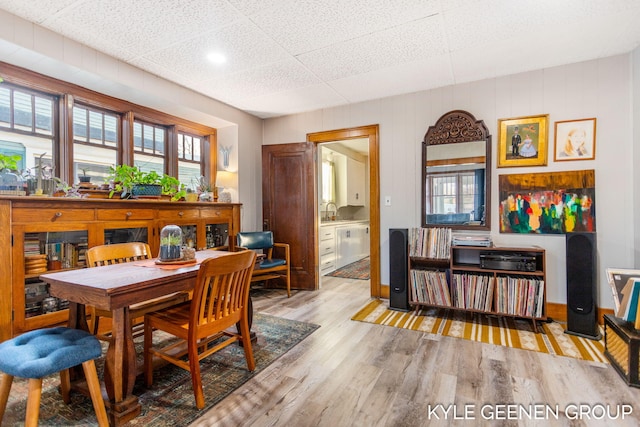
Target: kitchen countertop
{"type": "Point", "coordinates": [343, 222]}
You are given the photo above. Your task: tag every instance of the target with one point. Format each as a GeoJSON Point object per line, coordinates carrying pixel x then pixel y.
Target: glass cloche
{"type": "Point", "coordinates": [170, 243]}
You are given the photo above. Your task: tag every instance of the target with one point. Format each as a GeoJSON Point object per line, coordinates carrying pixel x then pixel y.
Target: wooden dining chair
{"type": "Point", "coordinates": [127, 252]}
{"type": "Point", "coordinates": [220, 301]}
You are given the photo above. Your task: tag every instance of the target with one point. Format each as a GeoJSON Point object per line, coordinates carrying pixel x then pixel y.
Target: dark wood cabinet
{"type": "Point", "coordinates": [63, 228]}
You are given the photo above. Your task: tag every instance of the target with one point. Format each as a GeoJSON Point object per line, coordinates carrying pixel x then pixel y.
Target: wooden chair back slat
{"type": "Point", "coordinates": [222, 290]}
{"type": "Point", "coordinates": [117, 253]}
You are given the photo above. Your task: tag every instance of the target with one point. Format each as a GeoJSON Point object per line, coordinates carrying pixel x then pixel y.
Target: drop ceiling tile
{"type": "Point", "coordinates": [37, 11]}
{"type": "Point", "coordinates": [414, 41]}
{"type": "Point", "coordinates": [539, 50]}
{"type": "Point", "coordinates": [301, 26]}
{"type": "Point", "coordinates": [144, 25]}
{"type": "Point", "coordinates": [276, 77]}
{"type": "Point", "coordinates": [243, 43]}
{"type": "Point", "coordinates": [488, 21]}
{"type": "Point", "coordinates": [167, 72]}
{"type": "Point", "coordinates": [251, 7]}
{"type": "Point", "coordinates": [399, 79]}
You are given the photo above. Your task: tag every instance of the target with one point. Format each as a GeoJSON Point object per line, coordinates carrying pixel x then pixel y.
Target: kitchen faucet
{"type": "Point", "coordinates": [327, 210]}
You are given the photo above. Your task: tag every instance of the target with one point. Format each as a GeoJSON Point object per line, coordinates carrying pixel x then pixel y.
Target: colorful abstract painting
{"type": "Point", "coordinates": [548, 203]}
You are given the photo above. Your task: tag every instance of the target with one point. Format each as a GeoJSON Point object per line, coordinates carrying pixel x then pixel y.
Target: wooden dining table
{"type": "Point", "coordinates": [115, 288]}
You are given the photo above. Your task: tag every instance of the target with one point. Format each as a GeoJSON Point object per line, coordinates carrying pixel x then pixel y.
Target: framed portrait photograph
{"type": "Point", "coordinates": [575, 140]}
{"type": "Point", "coordinates": [522, 141]}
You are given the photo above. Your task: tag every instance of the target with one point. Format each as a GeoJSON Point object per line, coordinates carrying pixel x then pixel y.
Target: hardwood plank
{"type": "Point", "coordinates": [351, 373]}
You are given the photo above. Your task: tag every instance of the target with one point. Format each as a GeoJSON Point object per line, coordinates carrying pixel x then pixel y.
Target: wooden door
{"type": "Point", "coordinates": [288, 204]}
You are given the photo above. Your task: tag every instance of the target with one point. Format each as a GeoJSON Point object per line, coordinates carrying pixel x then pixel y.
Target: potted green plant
{"type": "Point", "coordinates": [9, 181]}
{"type": "Point", "coordinates": [65, 190]}
{"type": "Point", "coordinates": [149, 184]}
{"type": "Point", "coordinates": [172, 187]}
{"type": "Point", "coordinates": [205, 189]}
{"type": "Point", "coordinates": [84, 177]}
{"type": "Point", "coordinates": [9, 162]}
{"type": "Point", "coordinates": [130, 181]}
{"type": "Point", "coordinates": [170, 243]}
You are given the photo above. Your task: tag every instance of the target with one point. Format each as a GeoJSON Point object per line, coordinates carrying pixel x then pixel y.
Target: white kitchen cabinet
{"type": "Point", "coordinates": [351, 243]}
{"type": "Point", "coordinates": [355, 182]}
{"type": "Point", "coordinates": [327, 249]}
{"type": "Point", "coordinates": [350, 181]}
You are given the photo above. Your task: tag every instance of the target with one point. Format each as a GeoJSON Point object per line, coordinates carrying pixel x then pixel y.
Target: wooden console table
{"type": "Point", "coordinates": [31, 225]}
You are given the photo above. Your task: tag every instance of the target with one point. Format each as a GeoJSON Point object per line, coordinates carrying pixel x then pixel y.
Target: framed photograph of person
{"type": "Point", "coordinates": [575, 140]}
{"type": "Point", "coordinates": [522, 141]}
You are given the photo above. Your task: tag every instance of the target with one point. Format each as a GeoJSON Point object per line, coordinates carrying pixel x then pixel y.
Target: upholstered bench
{"type": "Point", "coordinates": [42, 352]}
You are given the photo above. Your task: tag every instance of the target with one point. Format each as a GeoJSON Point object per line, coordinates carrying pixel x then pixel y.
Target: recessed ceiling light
{"type": "Point", "coordinates": [217, 58]}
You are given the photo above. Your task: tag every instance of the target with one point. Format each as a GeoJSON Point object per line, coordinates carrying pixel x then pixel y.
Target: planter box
{"type": "Point", "coordinates": [140, 191]}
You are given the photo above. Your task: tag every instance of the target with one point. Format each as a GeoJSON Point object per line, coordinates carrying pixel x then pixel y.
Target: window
{"type": "Point", "coordinates": [149, 144]}
{"type": "Point", "coordinates": [33, 126]}
{"type": "Point", "coordinates": [95, 142]}
{"type": "Point", "coordinates": [328, 182]}
{"type": "Point", "coordinates": [189, 158]}
{"type": "Point", "coordinates": [27, 128]}
{"type": "Point", "coordinates": [453, 193]}
{"type": "Point", "coordinates": [26, 111]}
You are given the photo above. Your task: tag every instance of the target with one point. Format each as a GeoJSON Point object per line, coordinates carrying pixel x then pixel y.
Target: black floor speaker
{"type": "Point", "coordinates": [399, 269]}
{"type": "Point", "coordinates": [582, 289]}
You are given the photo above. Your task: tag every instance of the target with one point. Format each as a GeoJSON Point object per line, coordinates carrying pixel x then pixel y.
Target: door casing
{"type": "Point", "coordinates": [372, 133]}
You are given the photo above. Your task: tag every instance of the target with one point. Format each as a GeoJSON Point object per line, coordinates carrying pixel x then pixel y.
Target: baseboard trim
{"type": "Point", "coordinates": [559, 312]}
{"type": "Point", "coordinates": [555, 311]}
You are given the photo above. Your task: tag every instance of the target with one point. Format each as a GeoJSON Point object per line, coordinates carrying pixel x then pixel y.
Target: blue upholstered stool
{"type": "Point", "coordinates": [43, 352]}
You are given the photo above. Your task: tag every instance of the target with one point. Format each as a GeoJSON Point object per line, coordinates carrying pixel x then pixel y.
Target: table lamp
{"type": "Point", "coordinates": [225, 180]}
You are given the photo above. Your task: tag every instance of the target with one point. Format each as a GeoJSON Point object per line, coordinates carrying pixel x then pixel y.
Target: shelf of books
{"type": "Point", "coordinates": [500, 281]}
{"type": "Point", "coordinates": [44, 252]}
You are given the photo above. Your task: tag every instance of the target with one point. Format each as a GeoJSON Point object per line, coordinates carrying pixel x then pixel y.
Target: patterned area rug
{"type": "Point", "coordinates": [506, 331]}
{"type": "Point", "coordinates": [357, 270]}
{"type": "Point", "coordinates": [170, 401]}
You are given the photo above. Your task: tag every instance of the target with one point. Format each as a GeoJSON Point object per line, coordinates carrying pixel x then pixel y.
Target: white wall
{"type": "Point", "coordinates": [600, 88]}
{"type": "Point", "coordinates": [30, 46]}
{"type": "Point", "coordinates": [636, 152]}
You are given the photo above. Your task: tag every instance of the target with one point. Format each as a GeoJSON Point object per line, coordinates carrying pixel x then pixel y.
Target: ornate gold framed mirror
{"type": "Point", "coordinates": [456, 173]}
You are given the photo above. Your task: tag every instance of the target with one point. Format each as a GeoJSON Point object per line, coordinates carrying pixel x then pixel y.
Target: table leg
{"type": "Point", "coordinates": [77, 316]}
{"type": "Point", "coordinates": [120, 370]}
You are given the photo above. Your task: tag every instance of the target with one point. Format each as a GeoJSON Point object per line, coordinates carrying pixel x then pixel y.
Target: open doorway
{"type": "Point", "coordinates": [343, 209]}
{"type": "Point", "coordinates": [344, 136]}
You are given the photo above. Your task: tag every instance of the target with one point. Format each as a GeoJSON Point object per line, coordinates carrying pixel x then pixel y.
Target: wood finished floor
{"type": "Point", "coordinates": [351, 373]}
